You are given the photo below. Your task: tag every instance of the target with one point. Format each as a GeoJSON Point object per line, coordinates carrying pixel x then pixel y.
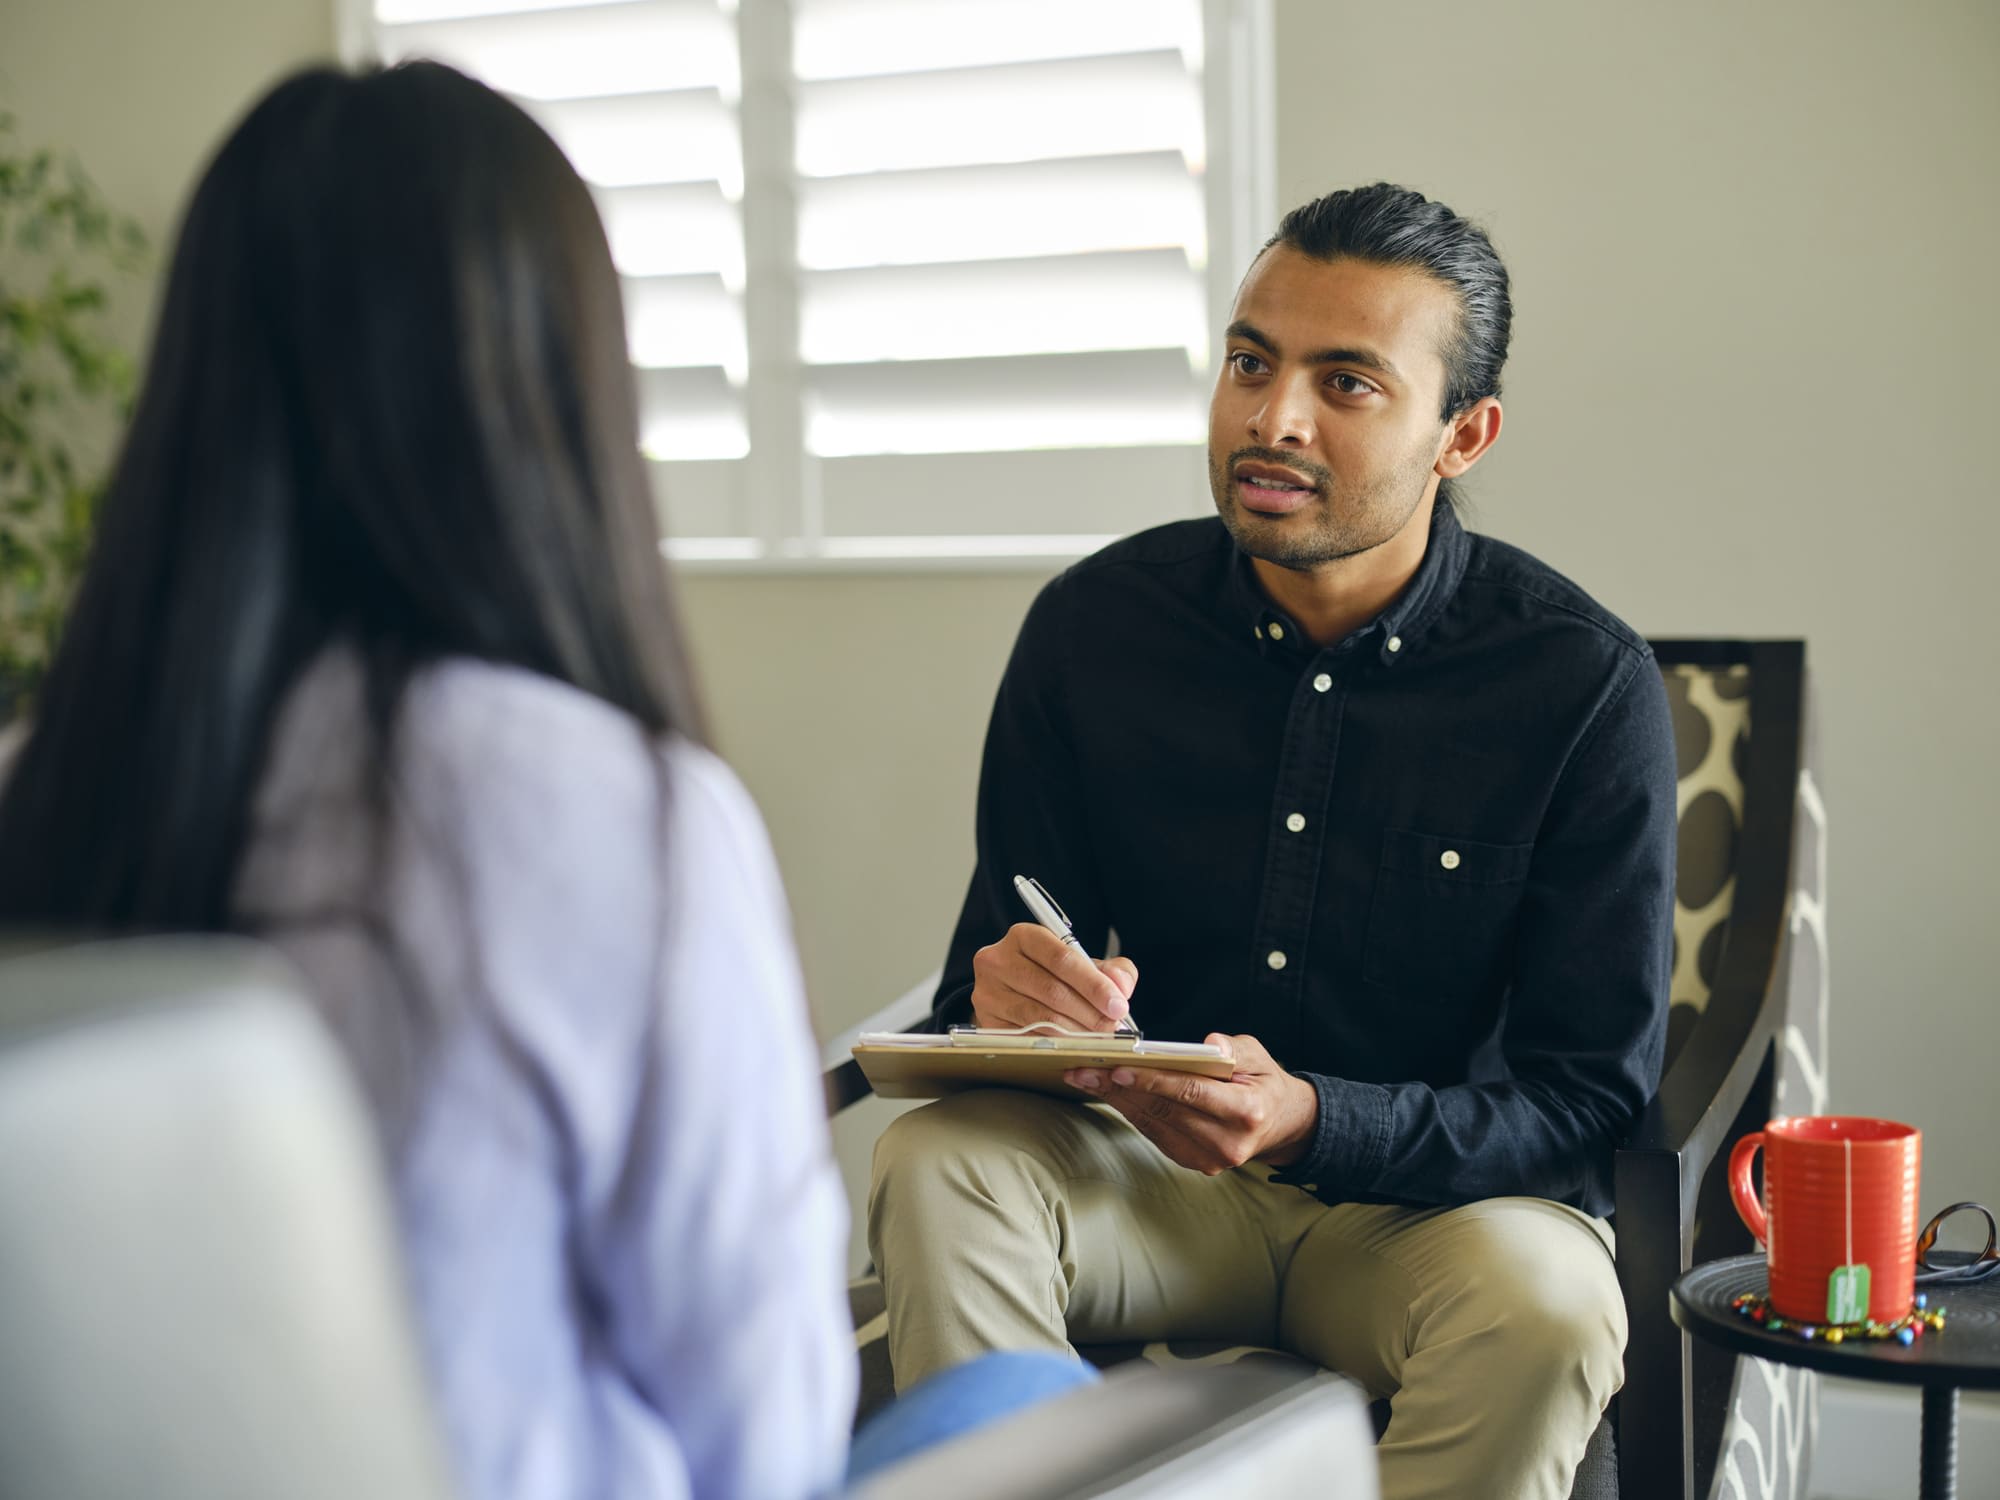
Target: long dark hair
{"type": "Point", "coordinates": [388, 403]}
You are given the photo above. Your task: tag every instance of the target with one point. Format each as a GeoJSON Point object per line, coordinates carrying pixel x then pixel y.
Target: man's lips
{"type": "Point", "coordinates": [1266, 487]}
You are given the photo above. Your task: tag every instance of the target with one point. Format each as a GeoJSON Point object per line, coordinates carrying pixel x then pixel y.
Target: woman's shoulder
{"type": "Point", "coordinates": [514, 775]}
{"type": "Point", "coordinates": [586, 840]}
{"type": "Point", "coordinates": [509, 740]}
{"type": "Point", "coordinates": [513, 721]}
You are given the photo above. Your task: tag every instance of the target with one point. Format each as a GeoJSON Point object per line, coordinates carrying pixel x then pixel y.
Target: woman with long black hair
{"type": "Point", "coordinates": [374, 659]}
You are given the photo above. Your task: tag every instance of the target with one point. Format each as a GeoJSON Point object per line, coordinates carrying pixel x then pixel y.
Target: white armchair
{"type": "Point", "coordinates": [201, 1298]}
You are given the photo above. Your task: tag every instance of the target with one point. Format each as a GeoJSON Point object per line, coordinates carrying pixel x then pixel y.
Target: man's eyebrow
{"type": "Point", "coordinates": [1368, 359]}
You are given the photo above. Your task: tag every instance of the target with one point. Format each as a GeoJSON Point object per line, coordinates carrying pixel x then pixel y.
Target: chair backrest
{"type": "Point", "coordinates": [1710, 702]}
{"type": "Point", "coordinates": [1746, 1040]}
{"type": "Point", "coordinates": [199, 1292]}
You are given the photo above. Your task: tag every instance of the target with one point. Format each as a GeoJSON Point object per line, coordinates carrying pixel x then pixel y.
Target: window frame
{"type": "Point", "coordinates": [779, 482]}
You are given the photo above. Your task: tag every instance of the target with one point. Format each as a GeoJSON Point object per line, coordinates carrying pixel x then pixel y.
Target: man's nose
{"type": "Point", "coordinates": [1284, 420]}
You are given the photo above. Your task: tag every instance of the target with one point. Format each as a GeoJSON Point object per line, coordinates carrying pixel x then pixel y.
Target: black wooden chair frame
{"type": "Point", "coordinates": [1673, 1407]}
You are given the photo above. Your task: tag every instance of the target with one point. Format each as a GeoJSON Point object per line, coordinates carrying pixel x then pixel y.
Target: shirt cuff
{"type": "Point", "coordinates": [1350, 1140]}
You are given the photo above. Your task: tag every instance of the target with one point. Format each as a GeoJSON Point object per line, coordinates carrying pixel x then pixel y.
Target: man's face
{"type": "Point", "coordinates": [1324, 426]}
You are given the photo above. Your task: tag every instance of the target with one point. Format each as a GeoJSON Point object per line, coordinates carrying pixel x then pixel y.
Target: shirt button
{"type": "Point", "coordinates": [1322, 682]}
{"type": "Point", "coordinates": [1277, 631]}
{"type": "Point", "coordinates": [1449, 859]}
{"type": "Point", "coordinates": [1275, 959]}
{"type": "Point", "coordinates": [1296, 822]}
{"type": "Point", "coordinates": [1395, 643]}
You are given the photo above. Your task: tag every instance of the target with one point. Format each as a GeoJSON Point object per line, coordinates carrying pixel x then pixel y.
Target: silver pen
{"type": "Point", "coordinates": [1043, 906]}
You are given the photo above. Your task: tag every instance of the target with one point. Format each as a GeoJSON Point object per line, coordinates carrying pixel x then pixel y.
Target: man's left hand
{"type": "Point", "coordinates": [1260, 1113]}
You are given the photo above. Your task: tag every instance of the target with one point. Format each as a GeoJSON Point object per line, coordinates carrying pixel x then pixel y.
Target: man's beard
{"type": "Point", "coordinates": [1339, 521]}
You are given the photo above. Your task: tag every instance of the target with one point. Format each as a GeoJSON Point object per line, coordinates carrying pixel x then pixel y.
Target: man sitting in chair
{"type": "Point", "coordinates": [1383, 806]}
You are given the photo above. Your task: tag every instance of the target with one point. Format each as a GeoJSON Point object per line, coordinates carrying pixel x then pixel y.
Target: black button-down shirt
{"type": "Point", "coordinates": [1430, 867]}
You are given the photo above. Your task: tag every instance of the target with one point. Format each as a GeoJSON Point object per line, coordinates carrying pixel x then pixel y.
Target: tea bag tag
{"type": "Point", "coordinates": [1847, 1294]}
{"type": "Point", "coordinates": [1847, 1287]}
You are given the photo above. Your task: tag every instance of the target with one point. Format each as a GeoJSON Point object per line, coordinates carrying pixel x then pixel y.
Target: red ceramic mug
{"type": "Point", "coordinates": [1839, 1191]}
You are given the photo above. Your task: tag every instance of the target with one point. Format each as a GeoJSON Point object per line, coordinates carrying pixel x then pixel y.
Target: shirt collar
{"type": "Point", "coordinates": [1391, 634]}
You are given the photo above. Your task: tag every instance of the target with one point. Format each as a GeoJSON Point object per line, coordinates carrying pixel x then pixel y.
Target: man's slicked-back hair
{"type": "Point", "coordinates": [1396, 226]}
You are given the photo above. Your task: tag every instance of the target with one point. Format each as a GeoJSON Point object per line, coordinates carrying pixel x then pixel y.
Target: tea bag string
{"type": "Point", "coordinates": [1848, 1143]}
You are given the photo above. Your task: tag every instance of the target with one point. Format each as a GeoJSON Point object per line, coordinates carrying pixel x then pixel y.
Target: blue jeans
{"type": "Point", "coordinates": [957, 1400]}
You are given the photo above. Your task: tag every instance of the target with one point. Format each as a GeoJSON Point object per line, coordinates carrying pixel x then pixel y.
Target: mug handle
{"type": "Point", "coordinates": [1743, 1190]}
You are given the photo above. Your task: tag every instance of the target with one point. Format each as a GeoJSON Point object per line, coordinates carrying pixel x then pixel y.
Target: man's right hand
{"type": "Point", "coordinates": [1032, 975]}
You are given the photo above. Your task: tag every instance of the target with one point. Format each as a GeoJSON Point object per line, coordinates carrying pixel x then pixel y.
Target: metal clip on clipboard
{"type": "Point", "coordinates": [1041, 1036]}
{"type": "Point", "coordinates": [922, 1065]}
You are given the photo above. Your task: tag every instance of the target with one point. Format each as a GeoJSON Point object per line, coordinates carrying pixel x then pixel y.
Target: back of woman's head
{"type": "Point", "coordinates": [388, 403]}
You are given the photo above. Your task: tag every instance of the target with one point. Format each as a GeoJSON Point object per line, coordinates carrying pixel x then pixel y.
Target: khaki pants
{"type": "Point", "coordinates": [1005, 1220]}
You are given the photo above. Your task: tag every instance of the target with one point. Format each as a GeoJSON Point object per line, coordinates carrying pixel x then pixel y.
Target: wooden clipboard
{"type": "Point", "coordinates": [906, 1066]}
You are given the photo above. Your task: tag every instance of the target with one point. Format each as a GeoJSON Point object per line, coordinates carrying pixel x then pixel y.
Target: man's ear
{"type": "Point", "coordinates": [1468, 436]}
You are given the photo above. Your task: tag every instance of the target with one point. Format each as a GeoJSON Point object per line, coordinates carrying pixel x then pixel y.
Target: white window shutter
{"type": "Point", "coordinates": [983, 271]}
{"type": "Point", "coordinates": [641, 96]}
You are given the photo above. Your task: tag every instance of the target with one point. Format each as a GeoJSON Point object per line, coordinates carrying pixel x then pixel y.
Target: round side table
{"type": "Point", "coordinates": [1965, 1353]}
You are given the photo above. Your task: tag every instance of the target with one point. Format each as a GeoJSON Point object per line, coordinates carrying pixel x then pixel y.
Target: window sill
{"type": "Point", "coordinates": [882, 554]}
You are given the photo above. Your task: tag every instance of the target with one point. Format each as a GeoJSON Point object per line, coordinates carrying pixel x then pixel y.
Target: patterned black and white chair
{"type": "Point", "coordinates": [1746, 1040]}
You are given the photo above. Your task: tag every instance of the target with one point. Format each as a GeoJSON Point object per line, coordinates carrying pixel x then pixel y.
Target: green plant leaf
{"type": "Point", "coordinates": [62, 377]}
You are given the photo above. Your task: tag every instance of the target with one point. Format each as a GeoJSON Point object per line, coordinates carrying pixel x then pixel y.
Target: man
{"type": "Point", "coordinates": [1384, 807]}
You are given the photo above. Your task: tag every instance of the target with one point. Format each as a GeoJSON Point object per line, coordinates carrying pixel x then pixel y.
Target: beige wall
{"type": "Point", "coordinates": [854, 707]}
{"type": "Point", "coordinates": [1751, 392]}
{"type": "Point", "coordinates": [1750, 386]}
{"type": "Point", "coordinates": [142, 90]}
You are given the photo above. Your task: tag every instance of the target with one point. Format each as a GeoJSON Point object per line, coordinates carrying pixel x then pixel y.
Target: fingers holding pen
{"type": "Point", "coordinates": [1031, 977]}
{"type": "Point", "coordinates": [1122, 972]}
{"type": "Point", "coordinates": [1066, 971]}
{"type": "Point", "coordinates": [1051, 942]}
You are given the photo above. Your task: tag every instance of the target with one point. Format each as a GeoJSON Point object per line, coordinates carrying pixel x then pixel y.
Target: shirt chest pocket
{"type": "Point", "coordinates": [1441, 921]}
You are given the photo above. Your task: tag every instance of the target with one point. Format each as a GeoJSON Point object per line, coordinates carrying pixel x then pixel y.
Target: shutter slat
{"type": "Point", "coordinates": [993, 212]}
{"type": "Point", "coordinates": [584, 51]}
{"type": "Point", "coordinates": [673, 230]}
{"type": "Point", "coordinates": [868, 38]}
{"type": "Point", "coordinates": [402, 12]}
{"type": "Point", "coordinates": [634, 140]}
{"type": "Point", "coordinates": [690, 414]}
{"type": "Point", "coordinates": [682, 321]}
{"type": "Point", "coordinates": [1042, 111]}
{"type": "Point", "coordinates": [1099, 400]}
{"type": "Point", "coordinates": [1114, 300]}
